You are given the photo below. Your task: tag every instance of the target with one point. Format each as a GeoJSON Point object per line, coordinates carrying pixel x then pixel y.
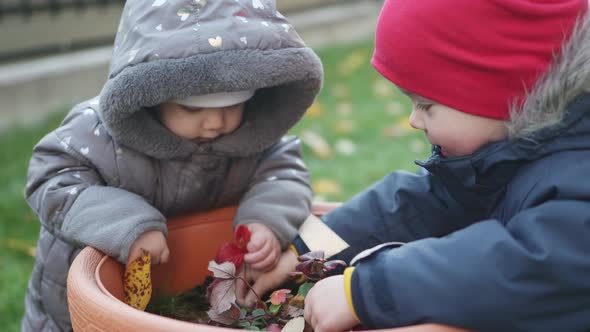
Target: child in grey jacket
{"type": "Point", "coordinates": [192, 117]}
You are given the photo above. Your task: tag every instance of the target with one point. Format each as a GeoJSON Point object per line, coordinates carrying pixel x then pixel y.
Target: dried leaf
{"type": "Point", "coordinates": [222, 294]}
{"type": "Point", "coordinates": [340, 91]}
{"type": "Point", "coordinates": [137, 284]}
{"type": "Point", "coordinates": [383, 88]}
{"type": "Point", "coordinates": [294, 325]}
{"type": "Point", "coordinates": [353, 62]}
{"type": "Point", "coordinates": [315, 110]}
{"type": "Point", "coordinates": [294, 312]}
{"type": "Point", "coordinates": [344, 126]}
{"type": "Point", "coordinates": [279, 296]}
{"type": "Point", "coordinates": [401, 128]}
{"type": "Point", "coordinates": [394, 108]}
{"type": "Point", "coordinates": [345, 147]}
{"type": "Point", "coordinates": [298, 300]}
{"type": "Point", "coordinates": [312, 255]}
{"type": "Point", "coordinates": [20, 246]}
{"type": "Point", "coordinates": [331, 265]}
{"type": "Point", "coordinates": [326, 186]}
{"type": "Point", "coordinates": [319, 146]}
{"type": "Point", "coordinates": [344, 108]}
{"type": "Point", "coordinates": [228, 317]}
{"type": "Point", "coordinates": [225, 270]}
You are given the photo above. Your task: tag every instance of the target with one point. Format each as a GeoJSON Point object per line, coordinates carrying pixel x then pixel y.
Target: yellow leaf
{"type": "Point", "coordinates": [340, 91]}
{"type": "Point", "coordinates": [20, 246]}
{"type": "Point", "coordinates": [344, 108]}
{"type": "Point", "coordinates": [353, 62]}
{"type": "Point", "coordinates": [383, 88]}
{"type": "Point", "coordinates": [315, 110]}
{"type": "Point", "coordinates": [401, 128]}
{"type": "Point", "coordinates": [317, 143]}
{"type": "Point", "coordinates": [137, 283]}
{"type": "Point", "coordinates": [344, 126]}
{"type": "Point", "coordinates": [326, 186]}
{"type": "Point", "coordinates": [395, 108]}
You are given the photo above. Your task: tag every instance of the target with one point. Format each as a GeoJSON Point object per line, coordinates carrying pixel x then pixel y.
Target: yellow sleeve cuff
{"type": "Point", "coordinates": [293, 249]}
{"type": "Point", "coordinates": [348, 290]}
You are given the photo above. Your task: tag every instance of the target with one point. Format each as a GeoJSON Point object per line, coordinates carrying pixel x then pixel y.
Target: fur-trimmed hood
{"type": "Point", "coordinates": [172, 49]}
{"type": "Point", "coordinates": [566, 79]}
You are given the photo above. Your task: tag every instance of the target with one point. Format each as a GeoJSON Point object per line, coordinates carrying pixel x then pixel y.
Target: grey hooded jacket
{"type": "Point", "coordinates": [111, 171]}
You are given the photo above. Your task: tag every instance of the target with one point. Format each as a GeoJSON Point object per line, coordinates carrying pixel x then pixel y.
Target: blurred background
{"type": "Point", "coordinates": [55, 53]}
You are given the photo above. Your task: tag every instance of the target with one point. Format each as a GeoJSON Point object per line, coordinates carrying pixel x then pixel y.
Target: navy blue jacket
{"type": "Point", "coordinates": [498, 240]}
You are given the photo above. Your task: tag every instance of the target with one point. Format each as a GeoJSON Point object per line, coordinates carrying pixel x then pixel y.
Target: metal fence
{"type": "Point", "coordinates": [28, 8]}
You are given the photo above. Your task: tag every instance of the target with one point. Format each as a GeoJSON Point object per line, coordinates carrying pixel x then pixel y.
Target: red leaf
{"type": "Point", "coordinates": [242, 236]}
{"type": "Point", "coordinates": [279, 297]}
{"type": "Point", "coordinates": [230, 252]}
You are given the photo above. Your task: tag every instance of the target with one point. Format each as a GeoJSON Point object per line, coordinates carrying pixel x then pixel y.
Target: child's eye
{"type": "Point", "coordinates": [190, 109]}
{"type": "Point", "coordinates": [423, 107]}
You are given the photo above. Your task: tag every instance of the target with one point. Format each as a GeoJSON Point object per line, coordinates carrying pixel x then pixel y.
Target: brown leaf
{"type": "Point", "coordinates": [400, 129]}
{"type": "Point", "coordinates": [315, 110]}
{"type": "Point", "coordinates": [19, 245]}
{"type": "Point", "coordinates": [225, 270]}
{"type": "Point", "coordinates": [222, 295]}
{"type": "Point", "coordinates": [227, 317]}
{"type": "Point", "coordinates": [317, 143]}
{"type": "Point", "coordinates": [326, 186]}
{"type": "Point", "coordinates": [137, 283]}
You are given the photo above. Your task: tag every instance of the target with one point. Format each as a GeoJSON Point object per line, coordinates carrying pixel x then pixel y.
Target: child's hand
{"type": "Point", "coordinates": [326, 308]}
{"type": "Point", "coordinates": [152, 241]}
{"type": "Point", "coordinates": [263, 282]}
{"type": "Point", "coordinates": [264, 249]}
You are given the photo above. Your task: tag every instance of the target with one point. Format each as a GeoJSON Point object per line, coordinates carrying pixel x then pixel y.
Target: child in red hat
{"type": "Point", "coordinates": [496, 224]}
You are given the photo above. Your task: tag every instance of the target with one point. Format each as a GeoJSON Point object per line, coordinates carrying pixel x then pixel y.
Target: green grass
{"type": "Point", "coordinates": [356, 104]}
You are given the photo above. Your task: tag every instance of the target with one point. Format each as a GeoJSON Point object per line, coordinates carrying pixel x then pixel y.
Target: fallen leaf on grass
{"type": "Point", "coordinates": [317, 143]}
{"type": "Point", "coordinates": [352, 62]}
{"type": "Point", "coordinates": [20, 246]}
{"type": "Point", "coordinates": [345, 147]}
{"type": "Point", "coordinates": [400, 129]}
{"type": "Point", "coordinates": [137, 283]}
{"type": "Point", "coordinates": [383, 88]}
{"type": "Point", "coordinates": [326, 186]}
{"type": "Point", "coordinates": [344, 126]}
{"type": "Point", "coordinates": [315, 110]}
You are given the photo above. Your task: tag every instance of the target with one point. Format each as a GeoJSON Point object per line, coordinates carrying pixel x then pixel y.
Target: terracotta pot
{"type": "Point", "coordinates": [95, 287]}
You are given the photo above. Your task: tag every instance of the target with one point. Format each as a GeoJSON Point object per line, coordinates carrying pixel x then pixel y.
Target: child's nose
{"type": "Point", "coordinates": [214, 120]}
{"type": "Point", "coordinates": [415, 121]}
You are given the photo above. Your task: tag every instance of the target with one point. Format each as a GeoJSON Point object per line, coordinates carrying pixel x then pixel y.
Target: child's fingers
{"type": "Point", "coordinates": [255, 243]}
{"type": "Point", "coordinates": [265, 264]}
{"type": "Point", "coordinates": [258, 255]}
{"type": "Point", "coordinates": [165, 256]}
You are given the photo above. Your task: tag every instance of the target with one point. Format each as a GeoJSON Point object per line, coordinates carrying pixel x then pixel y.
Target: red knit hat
{"type": "Point", "coordinates": [476, 56]}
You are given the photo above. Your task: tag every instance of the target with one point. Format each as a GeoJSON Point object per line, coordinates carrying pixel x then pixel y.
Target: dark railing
{"type": "Point", "coordinates": [28, 8]}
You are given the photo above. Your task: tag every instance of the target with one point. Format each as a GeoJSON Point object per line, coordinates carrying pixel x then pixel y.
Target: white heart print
{"type": "Point", "coordinates": [257, 4]}
{"type": "Point", "coordinates": [215, 42]}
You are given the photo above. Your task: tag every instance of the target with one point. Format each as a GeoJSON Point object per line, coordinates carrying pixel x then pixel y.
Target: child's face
{"type": "Point", "coordinates": [202, 124]}
{"type": "Point", "coordinates": [457, 133]}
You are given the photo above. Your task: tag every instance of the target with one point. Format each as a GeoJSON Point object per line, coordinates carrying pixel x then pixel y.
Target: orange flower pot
{"type": "Point", "coordinates": [95, 281]}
